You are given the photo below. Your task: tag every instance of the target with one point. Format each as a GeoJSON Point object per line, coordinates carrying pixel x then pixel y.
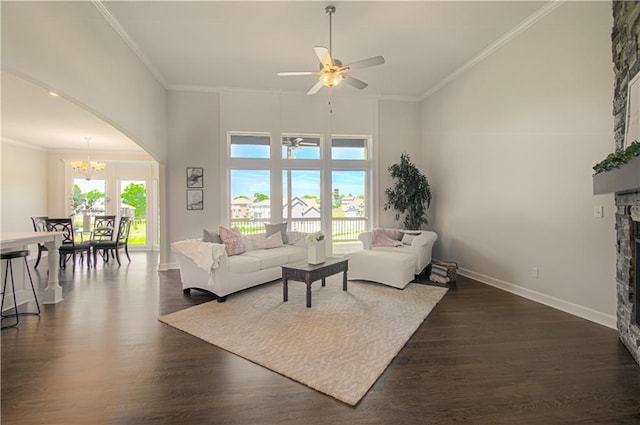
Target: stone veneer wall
{"type": "Point", "coordinates": [626, 64]}
{"type": "Point", "coordinates": [628, 212]}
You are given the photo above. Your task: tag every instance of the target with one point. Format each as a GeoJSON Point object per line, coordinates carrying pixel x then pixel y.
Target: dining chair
{"type": "Point", "coordinates": [103, 228]}
{"type": "Point", "coordinates": [39, 225]}
{"type": "Point", "coordinates": [121, 241]}
{"type": "Point", "coordinates": [69, 247]}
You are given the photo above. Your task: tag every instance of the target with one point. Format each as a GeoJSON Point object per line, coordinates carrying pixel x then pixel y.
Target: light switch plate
{"type": "Point", "coordinates": [598, 211]}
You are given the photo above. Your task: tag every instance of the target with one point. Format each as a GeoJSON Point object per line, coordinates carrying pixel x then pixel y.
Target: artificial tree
{"type": "Point", "coordinates": [411, 194]}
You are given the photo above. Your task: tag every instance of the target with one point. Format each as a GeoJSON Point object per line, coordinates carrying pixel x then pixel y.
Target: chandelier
{"type": "Point", "coordinates": [89, 168]}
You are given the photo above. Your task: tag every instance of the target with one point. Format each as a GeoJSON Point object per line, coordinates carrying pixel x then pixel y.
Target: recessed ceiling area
{"type": "Point", "coordinates": [32, 116]}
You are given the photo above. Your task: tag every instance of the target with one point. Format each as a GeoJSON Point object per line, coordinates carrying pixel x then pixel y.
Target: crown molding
{"type": "Point", "coordinates": [401, 98]}
{"type": "Point", "coordinates": [217, 89]}
{"type": "Point", "coordinates": [22, 144]}
{"type": "Point", "coordinates": [496, 45]}
{"type": "Point", "coordinates": [106, 13]}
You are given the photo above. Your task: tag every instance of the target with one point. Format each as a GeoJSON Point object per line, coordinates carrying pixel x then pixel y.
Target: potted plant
{"type": "Point", "coordinates": [619, 171]}
{"type": "Point", "coordinates": [316, 248]}
{"type": "Point", "coordinates": [411, 194]}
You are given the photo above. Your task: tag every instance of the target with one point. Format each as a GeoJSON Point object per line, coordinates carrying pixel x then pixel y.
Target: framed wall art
{"type": "Point", "coordinates": [195, 177]}
{"type": "Point", "coordinates": [195, 199]}
{"type": "Point", "coordinates": [632, 124]}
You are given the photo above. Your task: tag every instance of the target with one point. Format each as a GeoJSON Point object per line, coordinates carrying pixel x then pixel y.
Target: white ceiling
{"type": "Point", "coordinates": [216, 45]}
{"type": "Point", "coordinates": [244, 44]}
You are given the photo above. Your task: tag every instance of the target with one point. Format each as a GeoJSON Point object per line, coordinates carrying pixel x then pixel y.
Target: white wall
{"type": "Point", "coordinates": [193, 130]}
{"type": "Point", "coordinates": [24, 186]}
{"type": "Point", "coordinates": [23, 190]}
{"type": "Point", "coordinates": [510, 146]}
{"type": "Point", "coordinates": [399, 132]}
{"type": "Point", "coordinates": [70, 48]}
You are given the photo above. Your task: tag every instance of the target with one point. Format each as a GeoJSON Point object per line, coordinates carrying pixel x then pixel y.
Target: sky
{"type": "Point", "coordinates": [248, 182]}
{"type": "Point", "coordinates": [307, 182]}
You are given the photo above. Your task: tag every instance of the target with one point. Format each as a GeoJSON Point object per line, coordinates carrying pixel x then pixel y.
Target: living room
{"type": "Point", "coordinates": [527, 115]}
{"type": "Point", "coordinates": [507, 138]}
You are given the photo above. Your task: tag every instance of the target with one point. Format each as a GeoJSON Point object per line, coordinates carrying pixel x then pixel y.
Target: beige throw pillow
{"type": "Point", "coordinates": [232, 240]}
{"type": "Point", "coordinates": [280, 227]}
{"type": "Point", "coordinates": [261, 242]}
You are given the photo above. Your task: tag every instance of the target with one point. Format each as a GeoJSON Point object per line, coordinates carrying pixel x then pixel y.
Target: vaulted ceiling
{"type": "Point", "coordinates": [244, 44]}
{"type": "Point", "coordinates": [216, 45]}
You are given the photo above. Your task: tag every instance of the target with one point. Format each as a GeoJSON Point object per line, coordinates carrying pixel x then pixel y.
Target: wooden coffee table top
{"type": "Point", "coordinates": [304, 266]}
{"type": "Point", "coordinates": [308, 273]}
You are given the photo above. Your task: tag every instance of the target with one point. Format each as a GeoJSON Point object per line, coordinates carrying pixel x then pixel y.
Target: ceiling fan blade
{"type": "Point", "coordinates": [323, 55]}
{"type": "Point", "coordinates": [355, 82]}
{"type": "Point", "coordinates": [365, 63]}
{"type": "Point", "coordinates": [296, 73]}
{"type": "Point", "coordinates": [315, 88]}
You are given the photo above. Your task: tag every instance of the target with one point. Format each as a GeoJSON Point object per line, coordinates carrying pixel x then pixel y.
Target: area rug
{"type": "Point", "coordinates": [339, 346]}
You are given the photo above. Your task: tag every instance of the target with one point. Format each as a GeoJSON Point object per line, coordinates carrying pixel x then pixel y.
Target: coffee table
{"type": "Point", "coordinates": [309, 273]}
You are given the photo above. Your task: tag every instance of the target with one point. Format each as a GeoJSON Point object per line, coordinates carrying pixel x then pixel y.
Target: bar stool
{"type": "Point", "coordinates": [9, 270]}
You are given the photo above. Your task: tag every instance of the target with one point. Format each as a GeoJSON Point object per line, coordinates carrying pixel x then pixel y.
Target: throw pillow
{"type": "Point", "coordinates": [408, 238]}
{"type": "Point", "coordinates": [386, 237]}
{"type": "Point", "coordinates": [211, 236]}
{"type": "Point", "coordinates": [260, 242]}
{"type": "Point", "coordinates": [280, 227]}
{"type": "Point", "coordinates": [232, 240]}
{"type": "Point", "coordinates": [412, 232]}
{"type": "Point", "coordinates": [295, 237]}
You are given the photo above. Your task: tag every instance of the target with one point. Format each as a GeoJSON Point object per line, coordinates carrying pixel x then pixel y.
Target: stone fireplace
{"type": "Point", "coordinates": [625, 181]}
{"type": "Point", "coordinates": [627, 271]}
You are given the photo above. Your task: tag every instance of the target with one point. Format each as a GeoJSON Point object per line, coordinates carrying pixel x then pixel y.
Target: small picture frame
{"type": "Point", "coordinates": [195, 177]}
{"type": "Point", "coordinates": [195, 199]}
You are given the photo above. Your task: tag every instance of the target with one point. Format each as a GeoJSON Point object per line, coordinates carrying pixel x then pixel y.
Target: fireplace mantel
{"type": "Point", "coordinates": [625, 178]}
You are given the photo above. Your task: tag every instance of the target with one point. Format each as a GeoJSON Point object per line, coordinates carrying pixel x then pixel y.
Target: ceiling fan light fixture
{"type": "Point", "coordinates": [332, 72]}
{"type": "Point", "coordinates": [331, 79]}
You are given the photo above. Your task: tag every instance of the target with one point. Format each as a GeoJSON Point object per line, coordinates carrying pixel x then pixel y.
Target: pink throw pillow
{"type": "Point", "coordinates": [386, 237]}
{"type": "Point", "coordinates": [232, 240]}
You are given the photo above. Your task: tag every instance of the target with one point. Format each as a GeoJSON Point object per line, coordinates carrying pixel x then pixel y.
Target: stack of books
{"type": "Point", "coordinates": [443, 272]}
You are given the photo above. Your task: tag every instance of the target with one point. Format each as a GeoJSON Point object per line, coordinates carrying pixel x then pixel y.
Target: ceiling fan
{"type": "Point", "coordinates": [332, 72]}
{"type": "Point", "coordinates": [296, 143]}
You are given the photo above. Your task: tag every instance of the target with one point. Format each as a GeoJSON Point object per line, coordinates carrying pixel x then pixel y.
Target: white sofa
{"type": "Point", "coordinates": [420, 247]}
{"type": "Point", "coordinates": [206, 265]}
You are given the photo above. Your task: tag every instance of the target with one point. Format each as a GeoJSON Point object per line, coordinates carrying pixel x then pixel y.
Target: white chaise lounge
{"type": "Point", "coordinates": [392, 263]}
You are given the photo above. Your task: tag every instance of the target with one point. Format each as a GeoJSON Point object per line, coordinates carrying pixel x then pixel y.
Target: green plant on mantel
{"type": "Point", "coordinates": [411, 193]}
{"type": "Point", "coordinates": [618, 158]}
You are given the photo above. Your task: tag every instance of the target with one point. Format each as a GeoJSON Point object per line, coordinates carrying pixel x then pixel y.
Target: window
{"type": "Point", "coordinates": [133, 203]}
{"type": "Point", "coordinates": [88, 198]}
{"type": "Point", "coordinates": [349, 209]}
{"type": "Point", "coordinates": [250, 146]}
{"type": "Point", "coordinates": [297, 147]}
{"type": "Point", "coordinates": [250, 199]}
{"type": "Point", "coordinates": [291, 184]}
{"type": "Point", "coordinates": [301, 199]}
{"type": "Point", "coordinates": [349, 148]}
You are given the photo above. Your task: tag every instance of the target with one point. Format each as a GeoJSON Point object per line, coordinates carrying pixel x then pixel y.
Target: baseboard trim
{"type": "Point", "coordinates": [168, 266]}
{"type": "Point", "coordinates": [562, 305]}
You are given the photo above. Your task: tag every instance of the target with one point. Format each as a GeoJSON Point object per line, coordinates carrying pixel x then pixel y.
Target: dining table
{"type": "Point", "coordinates": [10, 241]}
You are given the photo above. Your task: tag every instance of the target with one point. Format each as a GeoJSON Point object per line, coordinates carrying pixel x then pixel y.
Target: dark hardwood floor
{"type": "Point", "coordinates": [483, 356]}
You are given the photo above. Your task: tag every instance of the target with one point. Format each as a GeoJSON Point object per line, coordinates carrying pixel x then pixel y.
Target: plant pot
{"type": "Point", "coordinates": [621, 179]}
{"type": "Point", "coordinates": [317, 252]}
